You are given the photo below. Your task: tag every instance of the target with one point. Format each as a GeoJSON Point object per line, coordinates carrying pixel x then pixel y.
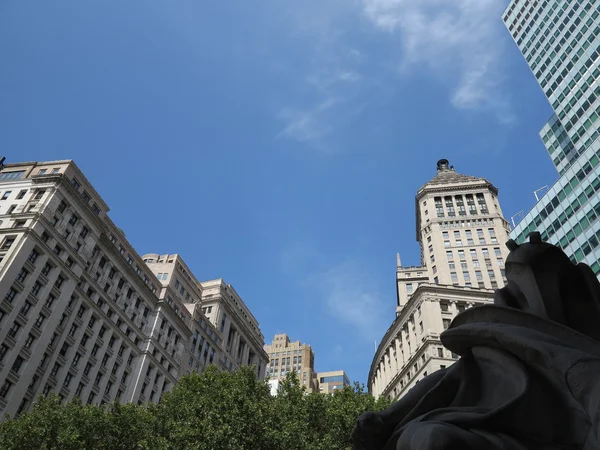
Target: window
{"type": "Point", "coordinates": [409, 288]}
{"type": "Point", "coordinates": [446, 323]}
{"type": "Point", "coordinates": [76, 184]}
{"type": "Point", "coordinates": [73, 220]}
{"type": "Point", "coordinates": [25, 308]}
{"type": "Point", "coordinates": [68, 379]}
{"type": "Point", "coordinates": [46, 270]}
{"type": "Point", "coordinates": [64, 349]}
{"type": "Point", "coordinates": [449, 255]}
{"type": "Point", "coordinates": [440, 351]}
{"type": "Point", "coordinates": [55, 369]}
{"type": "Point", "coordinates": [29, 341]}
{"type": "Point", "coordinates": [73, 330]}
{"type": "Point", "coordinates": [6, 195]}
{"type": "Point", "coordinates": [444, 306]}
{"type": "Point", "coordinates": [14, 329]}
{"type": "Point", "coordinates": [8, 242]}
{"type": "Point", "coordinates": [40, 320]}
{"type": "Point", "coordinates": [76, 359]}
{"type": "Point", "coordinates": [59, 282]}
{"type": "Point", "coordinates": [497, 252]}
{"type": "Point", "coordinates": [454, 277]}
{"type": "Point", "coordinates": [10, 295]}
{"type": "Point", "coordinates": [61, 207]}
{"type": "Point", "coordinates": [5, 388]}
{"type": "Point", "coordinates": [17, 364]}
{"type": "Point", "coordinates": [14, 175]}
{"type": "Point", "coordinates": [3, 351]}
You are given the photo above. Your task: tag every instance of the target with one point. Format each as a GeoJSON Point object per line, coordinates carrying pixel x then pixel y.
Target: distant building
{"type": "Point", "coordinates": [561, 42]}
{"type": "Point", "coordinates": [285, 356]}
{"type": "Point", "coordinates": [329, 382]}
{"type": "Point", "coordinates": [461, 232]}
{"type": "Point", "coordinates": [275, 386]}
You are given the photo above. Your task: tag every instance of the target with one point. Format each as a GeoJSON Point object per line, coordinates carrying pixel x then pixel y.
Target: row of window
{"type": "Point", "coordinates": [569, 211]}
{"type": "Point", "coordinates": [461, 205]}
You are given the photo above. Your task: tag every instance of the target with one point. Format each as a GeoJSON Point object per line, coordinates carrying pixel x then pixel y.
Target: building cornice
{"type": "Point", "coordinates": [431, 291]}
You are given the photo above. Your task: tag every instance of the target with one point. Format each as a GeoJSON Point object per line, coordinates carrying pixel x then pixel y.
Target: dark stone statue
{"type": "Point", "coordinates": [529, 372]}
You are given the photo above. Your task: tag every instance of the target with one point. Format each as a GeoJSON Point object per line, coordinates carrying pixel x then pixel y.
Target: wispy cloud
{"type": "Point", "coordinates": [352, 297]}
{"type": "Point", "coordinates": [460, 41]}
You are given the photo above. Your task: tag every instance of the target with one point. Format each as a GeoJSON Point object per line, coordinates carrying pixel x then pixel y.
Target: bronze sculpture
{"type": "Point", "coordinates": [529, 373]}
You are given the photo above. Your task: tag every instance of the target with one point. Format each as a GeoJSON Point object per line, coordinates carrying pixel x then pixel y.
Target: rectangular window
{"type": "Point", "coordinates": [14, 329]}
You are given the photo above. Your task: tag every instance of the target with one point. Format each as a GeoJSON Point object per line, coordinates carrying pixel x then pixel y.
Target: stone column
{"type": "Point", "coordinates": [399, 355]}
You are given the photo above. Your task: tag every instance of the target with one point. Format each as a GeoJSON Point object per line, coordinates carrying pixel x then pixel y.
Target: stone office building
{"type": "Point", "coordinates": [242, 339]}
{"type": "Point", "coordinates": [286, 356]}
{"type": "Point", "coordinates": [461, 231]}
{"type": "Point", "coordinates": [81, 314]}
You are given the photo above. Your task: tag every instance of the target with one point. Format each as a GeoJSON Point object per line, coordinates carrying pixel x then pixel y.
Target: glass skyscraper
{"type": "Point", "coordinates": [560, 40]}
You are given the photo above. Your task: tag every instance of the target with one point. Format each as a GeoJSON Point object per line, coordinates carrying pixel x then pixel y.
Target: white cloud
{"type": "Point", "coordinates": [308, 125]}
{"type": "Point", "coordinates": [352, 297]}
{"type": "Point", "coordinates": [460, 41]}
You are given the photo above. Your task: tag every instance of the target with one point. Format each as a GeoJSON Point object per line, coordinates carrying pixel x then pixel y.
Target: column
{"type": "Point", "coordinates": [399, 355]}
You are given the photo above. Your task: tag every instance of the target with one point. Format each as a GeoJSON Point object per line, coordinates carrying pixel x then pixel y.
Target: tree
{"type": "Point", "coordinates": [210, 411]}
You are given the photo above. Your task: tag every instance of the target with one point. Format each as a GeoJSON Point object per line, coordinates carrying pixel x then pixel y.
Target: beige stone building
{"type": "Point", "coordinates": [242, 339]}
{"type": "Point", "coordinates": [179, 286]}
{"type": "Point", "coordinates": [82, 314]}
{"type": "Point", "coordinates": [286, 356]}
{"type": "Point", "coordinates": [329, 382]}
{"type": "Point", "coordinates": [461, 232]}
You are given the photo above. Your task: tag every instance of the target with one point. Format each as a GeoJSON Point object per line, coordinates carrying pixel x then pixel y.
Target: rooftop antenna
{"type": "Point", "coordinates": [512, 219]}
{"type": "Point", "coordinates": [538, 190]}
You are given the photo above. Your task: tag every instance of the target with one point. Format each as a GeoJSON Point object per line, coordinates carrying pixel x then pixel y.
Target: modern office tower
{"type": "Point", "coordinates": [561, 44]}
{"type": "Point", "coordinates": [179, 286]}
{"type": "Point", "coordinates": [329, 382]}
{"type": "Point", "coordinates": [243, 340]}
{"type": "Point", "coordinates": [81, 314]}
{"type": "Point", "coordinates": [286, 356]}
{"type": "Point", "coordinates": [461, 232]}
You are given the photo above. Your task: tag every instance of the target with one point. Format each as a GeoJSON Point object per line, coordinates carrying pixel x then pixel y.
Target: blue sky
{"type": "Point", "coordinates": [276, 144]}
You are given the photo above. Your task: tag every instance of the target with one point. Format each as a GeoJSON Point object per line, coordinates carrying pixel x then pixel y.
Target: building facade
{"type": "Point", "coordinates": [561, 43]}
{"type": "Point", "coordinates": [81, 314]}
{"type": "Point", "coordinates": [286, 356]}
{"type": "Point", "coordinates": [461, 231]}
{"type": "Point", "coordinates": [329, 382]}
{"type": "Point", "coordinates": [242, 339]}
{"type": "Point", "coordinates": [179, 287]}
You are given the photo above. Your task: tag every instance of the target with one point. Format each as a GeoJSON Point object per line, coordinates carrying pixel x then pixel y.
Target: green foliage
{"type": "Point", "coordinates": [212, 411]}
